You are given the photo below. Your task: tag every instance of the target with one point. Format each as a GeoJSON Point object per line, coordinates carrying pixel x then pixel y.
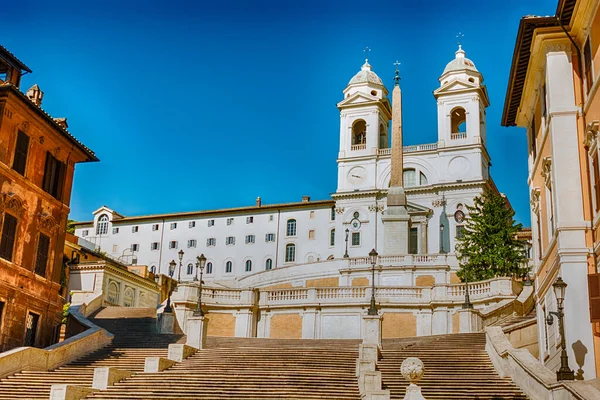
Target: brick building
{"type": "Point", "coordinates": [37, 162]}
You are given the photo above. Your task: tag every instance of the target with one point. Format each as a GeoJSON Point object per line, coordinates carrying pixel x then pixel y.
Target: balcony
{"type": "Point", "coordinates": [458, 135]}
{"type": "Point", "coordinates": [356, 147]}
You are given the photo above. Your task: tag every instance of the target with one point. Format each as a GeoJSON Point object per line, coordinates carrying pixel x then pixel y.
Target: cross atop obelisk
{"type": "Point", "coordinates": [397, 77]}
{"type": "Point", "coordinates": [367, 50]}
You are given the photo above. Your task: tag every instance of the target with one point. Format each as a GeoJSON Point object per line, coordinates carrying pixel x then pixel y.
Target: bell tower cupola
{"type": "Point", "coordinates": [365, 113]}
{"type": "Point", "coordinates": [462, 99]}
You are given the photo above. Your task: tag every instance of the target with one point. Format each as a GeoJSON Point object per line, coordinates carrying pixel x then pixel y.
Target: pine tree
{"type": "Point", "coordinates": [489, 246]}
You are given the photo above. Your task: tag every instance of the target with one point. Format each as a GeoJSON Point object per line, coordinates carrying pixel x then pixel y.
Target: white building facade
{"type": "Point", "coordinates": [440, 179]}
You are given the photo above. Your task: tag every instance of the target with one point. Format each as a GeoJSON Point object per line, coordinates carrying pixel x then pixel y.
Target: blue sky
{"type": "Point", "coordinates": [198, 105]}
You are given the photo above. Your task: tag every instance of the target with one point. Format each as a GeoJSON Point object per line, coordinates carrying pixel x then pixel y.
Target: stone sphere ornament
{"type": "Point", "coordinates": [412, 369]}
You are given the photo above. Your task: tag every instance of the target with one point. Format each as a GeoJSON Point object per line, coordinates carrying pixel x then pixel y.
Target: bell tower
{"type": "Point", "coordinates": [462, 99]}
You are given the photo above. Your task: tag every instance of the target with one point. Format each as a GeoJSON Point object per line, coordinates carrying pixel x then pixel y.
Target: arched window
{"type": "Point", "coordinates": [190, 269]}
{"type": "Point", "coordinates": [383, 137]}
{"type": "Point", "coordinates": [128, 297]}
{"type": "Point", "coordinates": [248, 265]}
{"type": "Point", "coordinates": [290, 252]}
{"type": "Point", "coordinates": [113, 293]}
{"type": "Point", "coordinates": [268, 264]}
{"type": "Point", "coordinates": [102, 228]}
{"type": "Point", "coordinates": [291, 227]}
{"type": "Point", "coordinates": [458, 120]}
{"type": "Point", "coordinates": [228, 267]}
{"type": "Point", "coordinates": [332, 237]}
{"type": "Point", "coordinates": [422, 179]}
{"type": "Point", "coordinates": [209, 268]}
{"type": "Point", "coordinates": [153, 269]}
{"type": "Point", "coordinates": [359, 132]}
{"type": "Point", "coordinates": [410, 177]}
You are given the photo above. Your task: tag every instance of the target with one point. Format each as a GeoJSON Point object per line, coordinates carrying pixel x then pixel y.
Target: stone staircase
{"type": "Point", "coordinates": [135, 339]}
{"type": "Point", "coordinates": [243, 368]}
{"type": "Point", "coordinates": [456, 367]}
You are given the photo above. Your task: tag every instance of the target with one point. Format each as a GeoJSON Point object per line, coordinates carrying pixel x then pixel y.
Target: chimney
{"type": "Point", "coordinates": [305, 199]}
{"type": "Point", "coordinates": [258, 202]}
{"type": "Point", "coordinates": [35, 94]}
{"type": "Point", "coordinates": [62, 122]}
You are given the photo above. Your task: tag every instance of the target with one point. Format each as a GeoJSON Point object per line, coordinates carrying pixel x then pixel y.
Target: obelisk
{"type": "Point", "coordinates": [395, 218]}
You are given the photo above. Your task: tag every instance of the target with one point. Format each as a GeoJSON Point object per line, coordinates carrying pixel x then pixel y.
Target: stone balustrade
{"type": "Point", "coordinates": [406, 260]}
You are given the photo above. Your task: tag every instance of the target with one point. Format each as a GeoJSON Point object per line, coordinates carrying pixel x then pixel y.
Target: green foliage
{"type": "Point", "coordinates": [70, 226]}
{"type": "Point", "coordinates": [490, 242]}
{"type": "Point", "coordinates": [65, 312]}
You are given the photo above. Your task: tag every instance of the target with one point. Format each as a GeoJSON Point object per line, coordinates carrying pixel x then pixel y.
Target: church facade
{"type": "Point", "coordinates": [433, 183]}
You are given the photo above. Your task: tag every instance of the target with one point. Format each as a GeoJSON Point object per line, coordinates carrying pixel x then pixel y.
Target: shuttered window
{"type": "Point", "coordinates": [42, 255]}
{"type": "Point", "coordinates": [587, 58]}
{"type": "Point", "coordinates": [413, 241]}
{"type": "Point", "coordinates": [7, 243]}
{"type": "Point", "coordinates": [21, 150]}
{"type": "Point", "coordinates": [596, 169]}
{"type": "Point", "coordinates": [594, 291]}
{"type": "Point", "coordinates": [54, 176]}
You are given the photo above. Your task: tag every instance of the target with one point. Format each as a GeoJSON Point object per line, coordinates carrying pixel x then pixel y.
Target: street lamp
{"type": "Point", "coordinates": [564, 373]}
{"type": "Point", "coordinates": [172, 266]}
{"type": "Point", "coordinates": [441, 238]}
{"type": "Point", "coordinates": [346, 253]}
{"type": "Point", "coordinates": [180, 253]}
{"type": "Point", "coordinates": [200, 263]}
{"type": "Point", "coordinates": [373, 258]}
{"type": "Point", "coordinates": [464, 262]}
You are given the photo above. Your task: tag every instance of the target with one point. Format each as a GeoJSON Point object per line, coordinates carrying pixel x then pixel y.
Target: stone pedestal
{"type": "Point", "coordinates": [69, 392]}
{"type": "Point", "coordinates": [196, 334]}
{"type": "Point", "coordinates": [395, 223]}
{"type": "Point", "coordinates": [376, 395]}
{"type": "Point", "coordinates": [468, 320]}
{"type": "Point", "coordinates": [179, 352]}
{"type": "Point", "coordinates": [107, 376]}
{"type": "Point", "coordinates": [157, 364]}
{"type": "Point", "coordinates": [165, 323]}
{"type": "Point", "coordinates": [372, 330]}
{"type": "Point", "coordinates": [413, 392]}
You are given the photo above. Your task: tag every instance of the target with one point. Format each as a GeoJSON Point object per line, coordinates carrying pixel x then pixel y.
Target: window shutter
{"type": "Point", "coordinates": [594, 292]}
{"type": "Point", "coordinates": [8, 237]}
{"type": "Point", "coordinates": [21, 149]}
{"type": "Point", "coordinates": [42, 255]}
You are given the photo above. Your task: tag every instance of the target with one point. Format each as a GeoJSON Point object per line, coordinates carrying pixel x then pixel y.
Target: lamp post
{"type": "Point", "coordinates": [464, 262]}
{"type": "Point", "coordinates": [441, 238]}
{"type": "Point", "coordinates": [172, 266]}
{"type": "Point", "coordinates": [200, 263]}
{"type": "Point", "coordinates": [346, 253]}
{"type": "Point", "coordinates": [180, 253]}
{"type": "Point", "coordinates": [373, 306]}
{"type": "Point", "coordinates": [564, 373]}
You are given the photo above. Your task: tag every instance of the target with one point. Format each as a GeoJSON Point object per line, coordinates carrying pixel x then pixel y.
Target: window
{"type": "Point", "coordinates": [230, 240]}
{"type": "Point", "coordinates": [268, 264]}
{"type": "Point", "coordinates": [355, 238]}
{"type": "Point", "coordinates": [291, 227]}
{"type": "Point", "coordinates": [270, 217]}
{"type": "Point", "coordinates": [250, 239]}
{"type": "Point", "coordinates": [153, 269]}
{"type": "Point", "coordinates": [9, 230]}
{"type": "Point", "coordinates": [154, 246]}
{"type": "Point", "coordinates": [31, 329]}
{"type": "Point", "coordinates": [102, 227]}
{"type": "Point", "coordinates": [85, 232]}
{"type": "Point", "coordinates": [173, 225]}
{"type": "Point", "coordinates": [155, 227]}
{"type": "Point", "coordinates": [596, 181]}
{"type": "Point", "coordinates": [192, 243]}
{"type": "Point", "coordinates": [332, 216]}
{"type": "Point", "coordinates": [134, 247]}
{"type": "Point", "coordinates": [211, 242]}
{"type": "Point", "coordinates": [422, 179]}
{"type": "Point", "coordinates": [312, 215]}
{"type": "Point", "coordinates": [113, 293]}
{"type": "Point", "coordinates": [249, 220]}
{"type": "Point", "coordinates": [248, 266]}
{"type": "Point", "coordinates": [54, 176]}
{"type": "Point", "coordinates": [413, 241]}
{"type": "Point", "coordinates": [211, 222]}
{"type": "Point", "coordinates": [229, 221]}
{"type": "Point", "coordinates": [209, 268]}
{"type": "Point", "coordinates": [409, 177]}
{"type": "Point", "coordinates": [290, 252]}
{"type": "Point", "coordinates": [533, 140]}
{"type": "Point", "coordinates": [192, 224]}
{"type": "Point", "coordinates": [587, 66]}
{"type": "Point", "coordinates": [115, 248]}
{"type": "Point", "coordinates": [359, 132]}
{"type": "Point", "coordinates": [115, 231]}
{"type": "Point", "coordinates": [190, 269]}
{"type": "Point", "coordinates": [21, 150]}
{"type": "Point", "coordinates": [270, 237]}
{"type": "Point", "coordinates": [173, 244]}
{"type": "Point", "coordinates": [460, 231]}
{"type": "Point", "coordinates": [41, 260]}
{"type": "Point", "coordinates": [228, 267]}
{"type": "Point", "coordinates": [135, 229]}
{"type": "Point", "coordinates": [332, 237]}
{"type": "Point", "coordinates": [311, 234]}
{"type": "Point", "coordinates": [458, 120]}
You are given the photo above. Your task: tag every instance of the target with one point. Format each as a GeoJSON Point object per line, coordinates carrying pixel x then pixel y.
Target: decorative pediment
{"type": "Point", "coordinates": [547, 171]}
{"type": "Point", "coordinates": [417, 209]}
{"type": "Point", "coordinates": [13, 203]}
{"type": "Point", "coordinates": [534, 200]}
{"type": "Point", "coordinates": [455, 85]}
{"type": "Point", "coordinates": [591, 136]}
{"type": "Point", "coordinates": [364, 99]}
{"type": "Point", "coordinates": [47, 223]}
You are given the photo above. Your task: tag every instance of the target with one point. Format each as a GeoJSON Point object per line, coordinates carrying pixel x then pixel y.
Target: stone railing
{"type": "Point", "coordinates": [384, 152]}
{"type": "Point", "coordinates": [534, 379]}
{"type": "Point", "coordinates": [458, 135]}
{"type": "Point", "coordinates": [31, 358]}
{"type": "Point", "coordinates": [355, 147]}
{"type": "Point", "coordinates": [420, 147]}
{"type": "Point", "coordinates": [406, 260]}
{"type": "Point", "coordinates": [187, 292]}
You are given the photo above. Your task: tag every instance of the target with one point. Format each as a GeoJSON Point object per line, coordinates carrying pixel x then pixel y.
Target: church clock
{"type": "Point", "coordinates": [357, 175]}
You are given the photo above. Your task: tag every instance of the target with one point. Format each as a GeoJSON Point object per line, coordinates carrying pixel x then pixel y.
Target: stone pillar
{"type": "Point", "coordinates": [196, 335]}
{"type": "Point", "coordinates": [309, 324]}
{"type": "Point", "coordinates": [468, 320]}
{"type": "Point", "coordinates": [371, 329]}
{"type": "Point", "coordinates": [243, 323]}
{"type": "Point", "coordinates": [424, 318]}
{"type": "Point", "coordinates": [165, 323]}
{"type": "Point", "coordinates": [423, 237]}
{"type": "Point", "coordinates": [439, 321]}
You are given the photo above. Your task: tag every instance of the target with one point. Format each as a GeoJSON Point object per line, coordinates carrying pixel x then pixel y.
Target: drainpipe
{"type": "Point", "coordinates": [583, 120]}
